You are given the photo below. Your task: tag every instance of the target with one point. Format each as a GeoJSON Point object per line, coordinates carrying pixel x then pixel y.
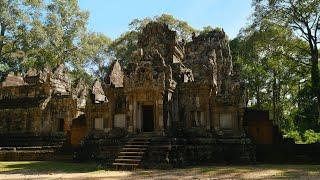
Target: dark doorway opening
{"type": "Point", "coordinates": [147, 115]}
{"type": "Point", "coordinates": [61, 125]}
{"type": "Point", "coordinates": [28, 125]}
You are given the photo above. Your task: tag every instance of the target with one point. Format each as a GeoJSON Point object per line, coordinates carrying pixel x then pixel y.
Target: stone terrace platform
{"type": "Point", "coordinates": [30, 147]}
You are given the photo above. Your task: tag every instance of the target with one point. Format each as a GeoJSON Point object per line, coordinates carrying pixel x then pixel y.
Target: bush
{"type": "Point", "coordinates": [97, 134]}
{"type": "Point", "coordinates": [118, 133]}
{"type": "Point", "coordinates": [311, 137]}
{"type": "Point", "coordinates": [196, 132]}
{"type": "Point", "coordinates": [294, 134]}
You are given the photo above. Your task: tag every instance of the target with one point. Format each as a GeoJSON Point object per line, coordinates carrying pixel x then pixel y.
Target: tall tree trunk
{"type": "Point", "coordinates": [2, 32]}
{"type": "Point", "coordinates": [258, 97]}
{"type": "Point", "coordinates": [274, 97]}
{"type": "Point", "coordinates": [2, 60]}
{"type": "Point", "coordinates": [315, 77]}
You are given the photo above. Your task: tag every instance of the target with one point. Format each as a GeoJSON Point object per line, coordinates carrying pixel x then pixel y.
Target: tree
{"type": "Point", "coordinates": [265, 54]}
{"type": "Point", "coordinates": [95, 49]}
{"type": "Point", "coordinates": [183, 29]}
{"type": "Point", "coordinates": [65, 24]}
{"type": "Point", "coordinates": [303, 17]}
{"type": "Point", "coordinates": [122, 47]}
{"type": "Point", "coordinates": [15, 19]}
{"type": "Point", "coordinates": [38, 34]}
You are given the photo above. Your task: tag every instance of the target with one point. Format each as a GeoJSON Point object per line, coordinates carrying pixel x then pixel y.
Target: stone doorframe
{"type": "Point", "coordinates": [140, 115]}
{"type": "Point", "coordinates": [157, 116]}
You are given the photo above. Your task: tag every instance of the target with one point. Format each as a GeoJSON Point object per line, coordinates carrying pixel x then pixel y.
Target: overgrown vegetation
{"type": "Point", "coordinates": [278, 55]}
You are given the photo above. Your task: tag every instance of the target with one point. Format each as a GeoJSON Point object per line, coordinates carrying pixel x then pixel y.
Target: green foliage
{"type": "Point", "coordinates": [36, 33]}
{"type": "Point", "coordinates": [266, 55]}
{"type": "Point", "coordinates": [304, 115]}
{"type": "Point", "coordinates": [122, 47]}
{"type": "Point", "coordinates": [95, 51]}
{"type": "Point", "coordinates": [276, 55]}
{"type": "Point", "coordinates": [183, 29]}
{"type": "Point", "coordinates": [15, 18]}
{"type": "Point", "coordinates": [303, 18]}
{"type": "Point", "coordinates": [311, 137]}
{"type": "Point", "coordinates": [294, 135]}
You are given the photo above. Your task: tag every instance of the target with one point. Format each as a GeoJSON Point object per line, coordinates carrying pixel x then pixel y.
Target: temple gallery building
{"type": "Point", "coordinates": [168, 83]}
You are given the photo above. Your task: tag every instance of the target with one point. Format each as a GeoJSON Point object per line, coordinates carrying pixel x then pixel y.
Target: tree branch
{"type": "Point", "coordinates": [2, 32]}
{"type": "Point", "coordinates": [317, 22]}
{"type": "Point", "coordinates": [303, 49]}
{"type": "Point", "coordinates": [295, 60]}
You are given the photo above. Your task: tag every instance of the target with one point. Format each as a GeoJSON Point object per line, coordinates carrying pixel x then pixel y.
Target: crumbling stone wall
{"type": "Point", "coordinates": [40, 102]}
{"type": "Point", "coordinates": [188, 84]}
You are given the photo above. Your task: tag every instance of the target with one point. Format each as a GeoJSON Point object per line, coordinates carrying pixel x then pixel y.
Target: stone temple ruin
{"type": "Point", "coordinates": [175, 99]}
{"type": "Point", "coordinates": [171, 84]}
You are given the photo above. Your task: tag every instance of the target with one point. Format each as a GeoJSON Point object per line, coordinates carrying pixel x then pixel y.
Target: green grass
{"type": "Point", "coordinates": [47, 166]}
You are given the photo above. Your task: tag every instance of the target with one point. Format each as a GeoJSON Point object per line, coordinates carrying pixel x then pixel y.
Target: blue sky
{"type": "Point", "coordinates": [112, 17]}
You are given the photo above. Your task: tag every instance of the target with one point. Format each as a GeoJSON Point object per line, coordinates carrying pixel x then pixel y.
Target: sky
{"type": "Point", "coordinates": [112, 17]}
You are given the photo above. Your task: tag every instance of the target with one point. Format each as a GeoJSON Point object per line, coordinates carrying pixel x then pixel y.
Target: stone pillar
{"type": "Point", "coordinates": [160, 115]}
{"type": "Point", "coordinates": [215, 119]}
{"type": "Point", "coordinates": [134, 119]}
{"type": "Point", "coordinates": [131, 114]}
{"type": "Point", "coordinates": [156, 116]}
{"type": "Point", "coordinates": [208, 120]}
{"type": "Point", "coordinates": [139, 117]}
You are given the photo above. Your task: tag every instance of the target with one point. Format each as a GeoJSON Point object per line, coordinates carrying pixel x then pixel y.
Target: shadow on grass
{"type": "Point", "coordinates": [38, 167]}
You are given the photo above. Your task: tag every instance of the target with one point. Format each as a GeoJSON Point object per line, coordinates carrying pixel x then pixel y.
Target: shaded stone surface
{"type": "Point", "coordinates": [41, 102]}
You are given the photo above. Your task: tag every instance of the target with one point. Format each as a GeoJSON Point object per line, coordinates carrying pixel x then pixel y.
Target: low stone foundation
{"type": "Point", "coordinates": [165, 151]}
{"type": "Point", "coordinates": [31, 147]}
{"type": "Point", "coordinates": [45, 155]}
{"type": "Point", "coordinates": [180, 151]}
{"type": "Point", "coordinates": [288, 153]}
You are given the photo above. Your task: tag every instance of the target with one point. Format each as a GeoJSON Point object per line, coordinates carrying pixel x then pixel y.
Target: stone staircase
{"type": "Point", "coordinates": [132, 153]}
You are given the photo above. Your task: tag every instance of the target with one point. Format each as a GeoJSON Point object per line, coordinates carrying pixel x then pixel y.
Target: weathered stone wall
{"type": "Point", "coordinates": [41, 102]}
{"type": "Point", "coordinates": [94, 111]}
{"type": "Point", "coordinates": [189, 84]}
{"type": "Point", "coordinates": [12, 80]}
{"type": "Point", "coordinates": [78, 131]}
{"type": "Point", "coordinates": [195, 105]}
{"type": "Point", "coordinates": [20, 120]}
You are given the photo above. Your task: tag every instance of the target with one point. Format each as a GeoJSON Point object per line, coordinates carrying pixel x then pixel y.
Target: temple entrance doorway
{"type": "Point", "coordinates": [147, 118]}
{"type": "Point", "coordinates": [60, 125]}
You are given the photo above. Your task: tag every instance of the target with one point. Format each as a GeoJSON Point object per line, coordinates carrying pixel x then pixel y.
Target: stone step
{"type": "Point", "coordinates": [141, 139]}
{"type": "Point", "coordinates": [128, 160]}
{"type": "Point", "coordinates": [125, 164]}
{"type": "Point", "coordinates": [135, 145]}
{"type": "Point", "coordinates": [30, 148]}
{"type": "Point", "coordinates": [163, 147]}
{"type": "Point", "coordinates": [132, 153]}
{"type": "Point", "coordinates": [134, 149]}
{"type": "Point", "coordinates": [131, 157]}
{"type": "Point", "coordinates": [139, 143]}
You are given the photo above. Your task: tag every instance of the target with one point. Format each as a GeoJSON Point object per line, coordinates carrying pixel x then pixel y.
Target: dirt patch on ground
{"type": "Point", "coordinates": [54, 170]}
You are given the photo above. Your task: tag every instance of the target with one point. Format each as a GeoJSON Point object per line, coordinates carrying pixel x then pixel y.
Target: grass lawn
{"type": "Point", "coordinates": [47, 166]}
{"type": "Point", "coordinates": [49, 170]}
